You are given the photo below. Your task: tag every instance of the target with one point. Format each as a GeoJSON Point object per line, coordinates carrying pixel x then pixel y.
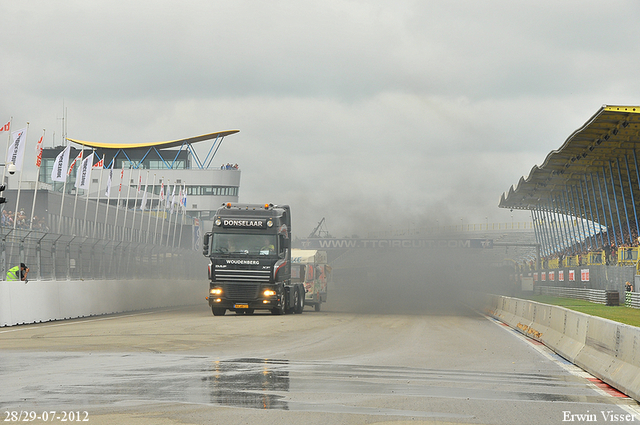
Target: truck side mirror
{"type": "Point", "coordinates": [205, 244]}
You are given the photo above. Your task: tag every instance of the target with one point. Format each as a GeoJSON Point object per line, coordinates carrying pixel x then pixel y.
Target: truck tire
{"type": "Point", "coordinates": [299, 308]}
{"type": "Point", "coordinates": [218, 311]}
{"type": "Point", "coordinates": [295, 301]}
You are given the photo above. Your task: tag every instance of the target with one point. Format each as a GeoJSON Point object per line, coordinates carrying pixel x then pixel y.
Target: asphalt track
{"type": "Point", "coordinates": [185, 366]}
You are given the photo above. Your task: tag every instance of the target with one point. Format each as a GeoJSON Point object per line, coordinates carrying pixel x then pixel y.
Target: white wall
{"type": "Point", "coordinates": [42, 301]}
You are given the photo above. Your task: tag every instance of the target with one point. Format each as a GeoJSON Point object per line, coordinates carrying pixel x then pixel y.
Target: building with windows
{"type": "Point", "coordinates": [135, 192]}
{"type": "Point", "coordinates": [167, 165]}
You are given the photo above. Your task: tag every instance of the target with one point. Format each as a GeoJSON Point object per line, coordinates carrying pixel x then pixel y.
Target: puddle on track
{"type": "Point", "coordinates": [71, 380]}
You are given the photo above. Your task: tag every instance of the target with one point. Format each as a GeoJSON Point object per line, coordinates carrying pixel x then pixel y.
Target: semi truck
{"type": "Point", "coordinates": [249, 251]}
{"type": "Point", "coordinates": [309, 267]}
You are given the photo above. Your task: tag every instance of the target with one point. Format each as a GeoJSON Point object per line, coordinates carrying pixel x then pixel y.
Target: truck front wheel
{"type": "Point", "coordinates": [218, 311]}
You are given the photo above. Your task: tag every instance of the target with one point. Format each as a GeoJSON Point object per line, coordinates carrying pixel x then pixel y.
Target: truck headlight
{"type": "Point", "coordinates": [216, 291]}
{"type": "Point", "coordinates": [269, 293]}
{"type": "Point", "coordinates": [218, 222]}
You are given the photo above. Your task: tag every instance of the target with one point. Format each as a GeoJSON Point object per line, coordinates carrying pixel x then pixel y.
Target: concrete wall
{"type": "Point", "coordinates": [608, 350]}
{"type": "Point", "coordinates": [42, 301]}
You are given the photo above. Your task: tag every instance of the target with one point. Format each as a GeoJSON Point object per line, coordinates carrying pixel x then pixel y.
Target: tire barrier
{"type": "Point", "coordinates": [608, 350]}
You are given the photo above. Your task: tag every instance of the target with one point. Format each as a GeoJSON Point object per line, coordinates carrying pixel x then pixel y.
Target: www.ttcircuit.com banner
{"type": "Point", "coordinates": [396, 243]}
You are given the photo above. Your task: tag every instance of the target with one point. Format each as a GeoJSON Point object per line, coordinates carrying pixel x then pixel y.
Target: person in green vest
{"type": "Point", "coordinates": [18, 273]}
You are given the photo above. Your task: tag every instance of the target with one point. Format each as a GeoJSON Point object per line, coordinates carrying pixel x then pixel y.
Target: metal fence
{"type": "Point", "coordinates": [52, 256]}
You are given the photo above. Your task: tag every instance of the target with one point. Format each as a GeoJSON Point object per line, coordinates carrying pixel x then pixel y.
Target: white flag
{"type": "Point", "coordinates": [15, 153]}
{"type": "Point", "coordinates": [143, 203]}
{"type": "Point", "coordinates": [59, 171]}
{"type": "Point", "coordinates": [83, 176]}
{"type": "Point", "coordinates": [173, 198]}
{"type": "Point", "coordinates": [107, 192]}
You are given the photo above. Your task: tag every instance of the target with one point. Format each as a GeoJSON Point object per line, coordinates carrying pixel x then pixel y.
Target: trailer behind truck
{"type": "Point", "coordinates": [309, 267]}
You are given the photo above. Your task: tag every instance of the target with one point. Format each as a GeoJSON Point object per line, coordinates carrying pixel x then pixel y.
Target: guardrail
{"type": "Point", "coordinates": [599, 296]}
{"type": "Point", "coordinates": [632, 299]}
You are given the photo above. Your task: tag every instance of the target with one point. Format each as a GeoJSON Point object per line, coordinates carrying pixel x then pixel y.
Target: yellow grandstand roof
{"type": "Point", "coordinates": [159, 145]}
{"type": "Point", "coordinates": [611, 135]}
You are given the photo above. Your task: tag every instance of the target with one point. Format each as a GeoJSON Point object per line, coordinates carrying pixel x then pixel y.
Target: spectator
{"type": "Point", "coordinates": [12, 274]}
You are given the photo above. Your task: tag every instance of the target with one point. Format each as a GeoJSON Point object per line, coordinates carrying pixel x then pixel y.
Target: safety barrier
{"type": "Point", "coordinates": [43, 301]}
{"type": "Point", "coordinates": [607, 349]}
{"type": "Point", "coordinates": [595, 258]}
{"type": "Point", "coordinates": [628, 256]}
{"type": "Point", "coordinates": [599, 296]}
{"type": "Point", "coordinates": [632, 299]}
{"type": "Point", "coordinates": [572, 261]}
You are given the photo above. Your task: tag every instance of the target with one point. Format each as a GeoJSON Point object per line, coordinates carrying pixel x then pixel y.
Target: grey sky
{"type": "Point", "coordinates": [370, 114]}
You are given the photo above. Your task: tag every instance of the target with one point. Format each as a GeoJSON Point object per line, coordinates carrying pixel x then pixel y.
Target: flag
{"type": "Point", "coordinates": [161, 192]}
{"type": "Point", "coordinates": [183, 201]}
{"type": "Point", "coordinates": [79, 157]}
{"type": "Point", "coordinates": [39, 152]}
{"type": "Point", "coordinates": [173, 197]}
{"type": "Point", "coordinates": [107, 192]}
{"type": "Point", "coordinates": [143, 203]}
{"type": "Point", "coordinates": [99, 164]}
{"type": "Point", "coordinates": [5, 127]}
{"type": "Point", "coordinates": [15, 154]}
{"type": "Point", "coordinates": [83, 177]}
{"type": "Point", "coordinates": [60, 165]}
{"type": "Point", "coordinates": [121, 178]}
{"type": "Point", "coordinates": [168, 200]}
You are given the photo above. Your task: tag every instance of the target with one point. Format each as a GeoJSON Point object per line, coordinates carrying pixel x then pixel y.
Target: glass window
{"type": "Point", "coordinates": [243, 244]}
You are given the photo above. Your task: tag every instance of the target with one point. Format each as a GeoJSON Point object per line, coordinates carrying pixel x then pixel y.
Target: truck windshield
{"type": "Point", "coordinates": [243, 244]}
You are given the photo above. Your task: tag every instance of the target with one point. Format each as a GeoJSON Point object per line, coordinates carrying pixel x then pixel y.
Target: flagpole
{"type": "Point", "coordinates": [183, 206]}
{"type": "Point", "coordinates": [95, 219]}
{"type": "Point", "coordinates": [75, 201]}
{"type": "Point", "coordinates": [135, 203]}
{"type": "Point", "coordinates": [164, 210]}
{"type": "Point", "coordinates": [4, 169]}
{"type": "Point", "coordinates": [115, 223]}
{"type": "Point", "coordinates": [175, 224]}
{"type": "Point", "coordinates": [108, 190]}
{"type": "Point", "coordinates": [153, 188]}
{"type": "Point", "coordinates": [143, 207]}
{"type": "Point", "coordinates": [173, 196]}
{"type": "Point", "coordinates": [15, 214]}
{"type": "Point", "coordinates": [35, 191]}
{"type": "Point", "coordinates": [160, 201]}
{"type": "Point", "coordinates": [86, 202]}
{"type": "Point", "coordinates": [126, 204]}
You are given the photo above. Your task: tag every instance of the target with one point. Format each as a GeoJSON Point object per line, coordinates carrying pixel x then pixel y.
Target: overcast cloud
{"type": "Point", "coordinates": [368, 113]}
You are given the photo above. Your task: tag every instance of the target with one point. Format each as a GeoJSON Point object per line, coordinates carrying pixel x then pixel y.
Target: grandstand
{"type": "Point", "coordinates": [582, 203]}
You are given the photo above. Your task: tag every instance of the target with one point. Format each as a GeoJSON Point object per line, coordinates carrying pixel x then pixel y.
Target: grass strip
{"type": "Point", "coordinates": [622, 314]}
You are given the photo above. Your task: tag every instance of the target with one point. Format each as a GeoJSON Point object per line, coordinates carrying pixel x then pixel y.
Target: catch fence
{"type": "Point", "coordinates": [52, 256]}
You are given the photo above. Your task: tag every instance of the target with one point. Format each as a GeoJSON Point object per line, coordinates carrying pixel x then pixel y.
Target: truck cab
{"type": "Point", "coordinates": [249, 251]}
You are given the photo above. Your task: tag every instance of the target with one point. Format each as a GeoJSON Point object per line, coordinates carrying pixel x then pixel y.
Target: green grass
{"type": "Point", "coordinates": [622, 314]}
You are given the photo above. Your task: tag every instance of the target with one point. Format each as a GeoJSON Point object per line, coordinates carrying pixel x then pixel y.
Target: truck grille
{"type": "Point", "coordinates": [232, 275]}
{"type": "Point", "coordinates": [243, 292]}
